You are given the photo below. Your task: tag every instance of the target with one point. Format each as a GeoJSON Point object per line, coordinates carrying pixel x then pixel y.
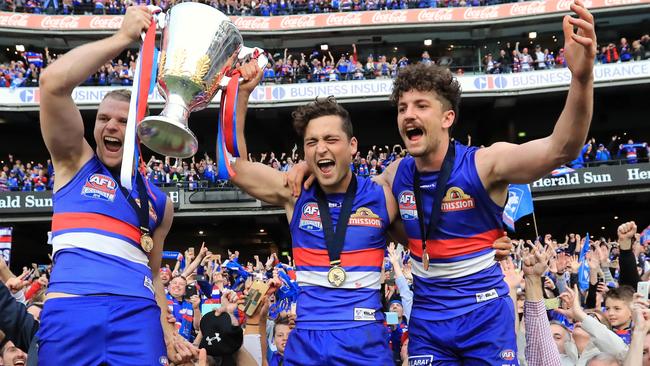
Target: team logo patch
{"type": "Point", "coordinates": [508, 355]}
{"type": "Point", "coordinates": [100, 186]}
{"type": "Point", "coordinates": [407, 208]}
{"type": "Point", "coordinates": [423, 360]}
{"type": "Point", "coordinates": [152, 210]}
{"type": "Point", "coordinates": [457, 200]}
{"type": "Point", "coordinates": [365, 217]}
{"type": "Point", "coordinates": [310, 217]}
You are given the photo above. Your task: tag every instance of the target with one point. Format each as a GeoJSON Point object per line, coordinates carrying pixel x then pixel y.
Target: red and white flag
{"type": "Point", "coordinates": [5, 243]}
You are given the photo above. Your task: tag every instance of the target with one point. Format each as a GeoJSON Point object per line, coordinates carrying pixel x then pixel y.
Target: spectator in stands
{"type": "Point", "coordinates": [185, 310]}
{"type": "Point", "coordinates": [630, 150]}
{"type": "Point", "coordinates": [602, 154]}
{"type": "Point", "coordinates": [618, 311]}
{"type": "Point", "coordinates": [504, 62]}
{"type": "Point", "coordinates": [540, 58]}
{"type": "Point", "coordinates": [638, 51]}
{"type": "Point", "coordinates": [624, 50]}
{"type": "Point", "coordinates": [281, 330]}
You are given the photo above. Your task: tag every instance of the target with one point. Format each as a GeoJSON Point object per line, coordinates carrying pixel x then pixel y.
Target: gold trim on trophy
{"type": "Point", "coordinates": [202, 68]}
{"type": "Point", "coordinates": [178, 58]}
{"type": "Point", "coordinates": [161, 63]}
{"type": "Point", "coordinates": [213, 87]}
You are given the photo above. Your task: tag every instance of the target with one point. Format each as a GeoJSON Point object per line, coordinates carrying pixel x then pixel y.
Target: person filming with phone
{"type": "Point", "coordinates": [185, 307]}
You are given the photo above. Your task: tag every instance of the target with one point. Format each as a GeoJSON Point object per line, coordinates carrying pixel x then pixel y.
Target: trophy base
{"type": "Point", "coordinates": [168, 137]}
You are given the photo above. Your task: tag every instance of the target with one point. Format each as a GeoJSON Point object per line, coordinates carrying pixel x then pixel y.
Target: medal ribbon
{"type": "Point", "coordinates": [227, 128]}
{"type": "Point", "coordinates": [144, 75]}
{"type": "Point", "coordinates": [334, 240]}
{"type": "Point", "coordinates": [441, 185]}
{"type": "Point", "coordinates": [143, 209]}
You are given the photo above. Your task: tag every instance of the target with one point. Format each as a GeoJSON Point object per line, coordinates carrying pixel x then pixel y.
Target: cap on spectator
{"type": "Point", "coordinates": [165, 269]}
{"type": "Point", "coordinates": [395, 301]}
{"type": "Point", "coordinates": [220, 337]}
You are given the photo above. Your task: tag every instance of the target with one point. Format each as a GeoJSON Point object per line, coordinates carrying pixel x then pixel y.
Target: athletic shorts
{"type": "Point", "coordinates": [485, 336]}
{"type": "Point", "coordinates": [364, 345]}
{"type": "Point", "coordinates": [101, 330]}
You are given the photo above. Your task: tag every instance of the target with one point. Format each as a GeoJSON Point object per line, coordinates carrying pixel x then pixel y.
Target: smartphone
{"type": "Point", "coordinates": [552, 304]}
{"type": "Point", "coordinates": [206, 308]}
{"type": "Point", "coordinates": [190, 290]}
{"type": "Point", "coordinates": [642, 288]}
{"type": "Point", "coordinates": [391, 318]}
{"type": "Point", "coordinates": [252, 301]}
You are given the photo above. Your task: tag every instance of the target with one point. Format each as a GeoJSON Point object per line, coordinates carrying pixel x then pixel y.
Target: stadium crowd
{"type": "Point", "coordinates": [322, 66]}
{"type": "Point", "coordinates": [563, 317]}
{"type": "Point", "coordinates": [236, 7]}
{"type": "Point", "coordinates": [17, 175]}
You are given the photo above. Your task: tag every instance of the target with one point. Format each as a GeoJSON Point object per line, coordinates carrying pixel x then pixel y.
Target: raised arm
{"type": "Point", "coordinates": [61, 123]}
{"type": "Point", "coordinates": [504, 163]}
{"type": "Point", "coordinates": [258, 180]}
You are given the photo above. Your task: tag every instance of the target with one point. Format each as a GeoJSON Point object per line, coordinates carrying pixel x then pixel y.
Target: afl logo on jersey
{"type": "Point", "coordinates": [508, 355]}
{"type": "Point", "coordinates": [456, 200]}
{"type": "Point", "coordinates": [100, 186]}
{"type": "Point", "coordinates": [310, 217]}
{"type": "Point", "coordinates": [407, 208]}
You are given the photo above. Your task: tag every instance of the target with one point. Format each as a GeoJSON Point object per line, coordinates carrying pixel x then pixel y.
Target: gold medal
{"type": "Point", "coordinates": [146, 242]}
{"type": "Point", "coordinates": [336, 276]}
{"type": "Point", "coordinates": [425, 261]}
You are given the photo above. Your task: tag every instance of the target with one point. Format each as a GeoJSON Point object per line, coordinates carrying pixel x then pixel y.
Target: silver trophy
{"type": "Point", "coordinates": [199, 46]}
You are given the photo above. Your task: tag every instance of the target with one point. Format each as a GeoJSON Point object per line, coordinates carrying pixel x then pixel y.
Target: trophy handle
{"type": "Point", "coordinates": [247, 53]}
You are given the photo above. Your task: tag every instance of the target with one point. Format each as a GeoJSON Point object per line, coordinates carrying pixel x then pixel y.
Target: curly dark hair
{"type": "Point", "coordinates": [319, 108]}
{"type": "Point", "coordinates": [428, 78]}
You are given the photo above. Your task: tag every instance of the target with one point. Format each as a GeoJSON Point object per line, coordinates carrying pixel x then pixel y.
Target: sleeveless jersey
{"type": "Point", "coordinates": [357, 301]}
{"type": "Point", "coordinates": [96, 236]}
{"type": "Point", "coordinates": [462, 274]}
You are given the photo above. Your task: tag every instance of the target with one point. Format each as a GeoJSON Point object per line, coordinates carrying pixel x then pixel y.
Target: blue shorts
{"type": "Point", "coordinates": [364, 345]}
{"type": "Point", "coordinates": [101, 330]}
{"type": "Point", "coordinates": [485, 336]}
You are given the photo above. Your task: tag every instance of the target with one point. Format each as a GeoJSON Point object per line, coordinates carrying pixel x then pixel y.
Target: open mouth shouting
{"type": "Point", "coordinates": [414, 133]}
{"type": "Point", "coordinates": [326, 166]}
{"type": "Point", "coordinates": [112, 144]}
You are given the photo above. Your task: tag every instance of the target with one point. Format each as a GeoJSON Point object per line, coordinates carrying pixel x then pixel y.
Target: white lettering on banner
{"type": "Point", "coordinates": [10, 202]}
{"type": "Point", "coordinates": [621, 2]}
{"type": "Point", "coordinates": [436, 15]}
{"type": "Point", "coordinates": [106, 22]}
{"type": "Point", "coordinates": [590, 178]}
{"type": "Point", "coordinates": [530, 8]}
{"type": "Point", "coordinates": [638, 174]}
{"type": "Point", "coordinates": [60, 22]}
{"type": "Point", "coordinates": [253, 23]}
{"type": "Point", "coordinates": [31, 201]}
{"type": "Point", "coordinates": [351, 89]}
{"type": "Point", "coordinates": [384, 17]}
{"type": "Point", "coordinates": [343, 19]}
{"type": "Point", "coordinates": [621, 71]}
{"type": "Point", "coordinates": [567, 180]}
{"type": "Point", "coordinates": [540, 78]}
{"type": "Point", "coordinates": [298, 21]}
{"type": "Point", "coordinates": [173, 196]}
{"type": "Point", "coordinates": [14, 20]}
{"type": "Point", "coordinates": [488, 12]}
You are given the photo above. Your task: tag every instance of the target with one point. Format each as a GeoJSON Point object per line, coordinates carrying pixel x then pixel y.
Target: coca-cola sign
{"type": "Point", "coordinates": [435, 15]}
{"type": "Point", "coordinates": [298, 21]}
{"type": "Point", "coordinates": [13, 20]}
{"type": "Point", "coordinates": [100, 22]}
{"type": "Point", "coordinates": [253, 23]}
{"type": "Point", "coordinates": [529, 8]}
{"type": "Point", "coordinates": [60, 22]}
{"type": "Point", "coordinates": [344, 19]}
{"type": "Point", "coordinates": [389, 17]}
{"type": "Point", "coordinates": [620, 2]}
{"type": "Point", "coordinates": [481, 13]}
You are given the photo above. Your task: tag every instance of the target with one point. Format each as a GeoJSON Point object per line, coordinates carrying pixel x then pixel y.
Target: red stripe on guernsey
{"type": "Point", "coordinates": [320, 258]}
{"type": "Point", "coordinates": [78, 220]}
{"type": "Point", "coordinates": [449, 248]}
{"type": "Point", "coordinates": [5, 239]}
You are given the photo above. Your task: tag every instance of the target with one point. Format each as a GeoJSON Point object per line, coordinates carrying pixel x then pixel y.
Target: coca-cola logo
{"type": "Point", "coordinates": [14, 20]}
{"type": "Point", "coordinates": [384, 17]}
{"type": "Point", "coordinates": [435, 15]}
{"type": "Point", "coordinates": [618, 2]}
{"type": "Point", "coordinates": [300, 21]}
{"type": "Point", "coordinates": [60, 22]}
{"type": "Point", "coordinates": [338, 20]}
{"type": "Point", "coordinates": [564, 5]}
{"type": "Point", "coordinates": [253, 23]}
{"type": "Point", "coordinates": [488, 12]}
{"type": "Point", "coordinates": [106, 22]}
{"type": "Point", "coordinates": [530, 8]}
